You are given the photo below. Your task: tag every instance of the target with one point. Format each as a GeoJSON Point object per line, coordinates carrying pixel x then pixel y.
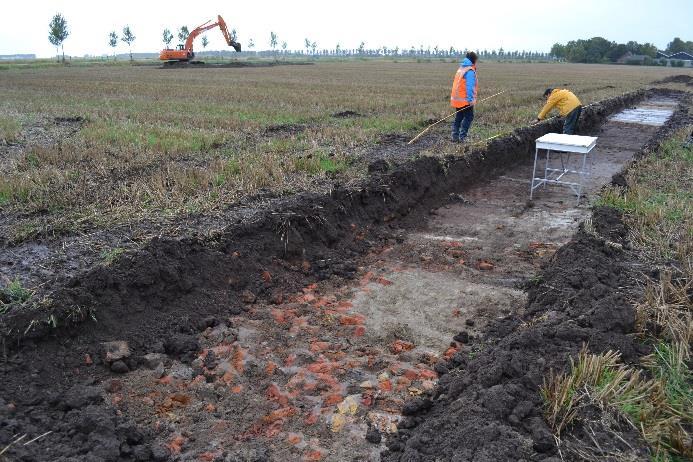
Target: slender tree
{"type": "Point", "coordinates": [205, 41]}
{"type": "Point", "coordinates": [128, 37]}
{"type": "Point", "coordinates": [273, 42]}
{"type": "Point", "coordinates": [167, 37]}
{"type": "Point", "coordinates": [337, 49]}
{"type": "Point", "coordinates": [58, 32]}
{"type": "Point", "coordinates": [362, 47]}
{"type": "Point", "coordinates": [251, 43]}
{"type": "Point", "coordinates": [113, 42]}
{"type": "Point", "coordinates": [284, 45]}
{"type": "Point", "coordinates": [183, 34]}
{"type": "Point", "coordinates": [306, 43]}
{"type": "Point", "coordinates": [314, 46]}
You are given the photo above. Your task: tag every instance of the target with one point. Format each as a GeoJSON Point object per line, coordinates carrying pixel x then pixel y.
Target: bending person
{"type": "Point", "coordinates": [568, 106]}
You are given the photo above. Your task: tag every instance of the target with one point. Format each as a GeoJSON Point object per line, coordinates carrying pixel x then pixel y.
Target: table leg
{"type": "Point", "coordinates": [534, 172]}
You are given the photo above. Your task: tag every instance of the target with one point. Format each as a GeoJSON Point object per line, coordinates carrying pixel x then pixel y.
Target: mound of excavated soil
{"type": "Point", "coordinates": [681, 78]}
{"type": "Point", "coordinates": [487, 407]}
{"type": "Point", "coordinates": [159, 296]}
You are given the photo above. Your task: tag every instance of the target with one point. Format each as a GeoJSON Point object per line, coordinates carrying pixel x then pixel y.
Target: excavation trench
{"type": "Point", "coordinates": [302, 332]}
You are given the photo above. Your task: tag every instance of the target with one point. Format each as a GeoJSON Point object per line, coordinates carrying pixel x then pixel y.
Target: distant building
{"type": "Point", "coordinates": [682, 56]}
{"type": "Point", "coordinates": [677, 58]}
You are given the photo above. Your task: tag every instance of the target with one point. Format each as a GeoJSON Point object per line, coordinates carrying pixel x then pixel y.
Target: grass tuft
{"type": "Point", "coordinates": [14, 293]}
{"type": "Point", "coordinates": [10, 129]}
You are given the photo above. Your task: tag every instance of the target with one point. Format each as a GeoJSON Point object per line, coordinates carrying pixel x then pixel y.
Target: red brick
{"type": "Point", "coordinates": [316, 347]}
{"type": "Point", "coordinates": [320, 367]}
{"type": "Point", "coordinates": [279, 414]}
{"type": "Point", "coordinates": [428, 374]}
{"type": "Point", "coordinates": [332, 399]}
{"type": "Point", "coordinates": [399, 346]}
{"type": "Point", "coordinates": [353, 320]}
{"type": "Point", "coordinates": [274, 394]}
{"type": "Point", "coordinates": [385, 385]}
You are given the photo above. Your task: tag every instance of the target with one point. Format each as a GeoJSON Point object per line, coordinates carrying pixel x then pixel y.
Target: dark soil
{"type": "Point", "coordinates": [285, 129]}
{"type": "Point", "coordinates": [346, 114]}
{"type": "Point", "coordinates": [157, 297]}
{"type": "Point", "coordinates": [681, 78]}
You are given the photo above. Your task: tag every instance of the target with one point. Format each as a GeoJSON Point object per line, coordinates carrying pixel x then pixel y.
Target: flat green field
{"type": "Point", "coordinates": [106, 144]}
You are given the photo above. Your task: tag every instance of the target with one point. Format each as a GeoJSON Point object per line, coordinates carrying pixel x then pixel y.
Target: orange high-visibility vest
{"type": "Point", "coordinates": [458, 96]}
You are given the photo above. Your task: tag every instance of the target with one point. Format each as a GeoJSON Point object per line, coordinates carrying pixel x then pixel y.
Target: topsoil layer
{"type": "Point", "coordinates": [156, 299]}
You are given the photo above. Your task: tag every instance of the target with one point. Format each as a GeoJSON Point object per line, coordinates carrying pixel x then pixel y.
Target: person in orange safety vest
{"type": "Point", "coordinates": [463, 97]}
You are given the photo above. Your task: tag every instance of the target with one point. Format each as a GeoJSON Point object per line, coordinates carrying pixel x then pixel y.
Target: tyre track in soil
{"type": "Point", "coordinates": [291, 372]}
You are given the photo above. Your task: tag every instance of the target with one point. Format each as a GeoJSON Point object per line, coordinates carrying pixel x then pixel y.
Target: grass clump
{"type": "Point", "coordinates": [10, 129]}
{"type": "Point", "coordinates": [314, 164]}
{"type": "Point", "coordinates": [661, 407]}
{"type": "Point", "coordinates": [14, 293]}
{"type": "Point", "coordinates": [109, 256]}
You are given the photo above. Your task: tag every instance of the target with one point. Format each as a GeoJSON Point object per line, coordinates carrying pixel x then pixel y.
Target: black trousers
{"type": "Point", "coordinates": [570, 125]}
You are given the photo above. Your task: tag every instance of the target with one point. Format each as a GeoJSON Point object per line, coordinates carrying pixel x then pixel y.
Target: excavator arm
{"type": "Point", "coordinates": [207, 26]}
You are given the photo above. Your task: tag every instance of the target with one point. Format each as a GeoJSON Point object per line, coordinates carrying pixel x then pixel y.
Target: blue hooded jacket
{"type": "Point", "coordinates": [470, 78]}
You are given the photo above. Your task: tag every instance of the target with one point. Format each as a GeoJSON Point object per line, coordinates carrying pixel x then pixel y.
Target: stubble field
{"type": "Point", "coordinates": [89, 147]}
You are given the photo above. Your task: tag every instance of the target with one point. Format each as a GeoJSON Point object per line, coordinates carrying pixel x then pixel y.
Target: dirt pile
{"type": "Point", "coordinates": [487, 406]}
{"type": "Point", "coordinates": [681, 78]}
{"type": "Point", "coordinates": [154, 299]}
{"type": "Point", "coordinates": [346, 114]}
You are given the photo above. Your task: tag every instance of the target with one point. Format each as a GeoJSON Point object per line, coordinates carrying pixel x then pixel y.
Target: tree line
{"type": "Point", "coordinates": [593, 50]}
{"type": "Point", "coordinates": [601, 50]}
{"type": "Point", "coordinates": [59, 31]}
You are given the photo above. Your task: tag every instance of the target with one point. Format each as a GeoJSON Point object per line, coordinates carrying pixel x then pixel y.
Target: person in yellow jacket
{"type": "Point", "coordinates": [568, 105]}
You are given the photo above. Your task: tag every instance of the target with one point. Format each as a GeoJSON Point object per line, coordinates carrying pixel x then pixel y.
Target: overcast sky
{"type": "Point", "coordinates": [473, 24]}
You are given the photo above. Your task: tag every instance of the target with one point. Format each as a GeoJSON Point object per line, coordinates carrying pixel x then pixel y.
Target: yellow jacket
{"type": "Point", "coordinates": [565, 100]}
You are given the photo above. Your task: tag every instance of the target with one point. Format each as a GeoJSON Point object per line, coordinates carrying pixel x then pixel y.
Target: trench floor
{"type": "Point", "coordinates": [305, 377]}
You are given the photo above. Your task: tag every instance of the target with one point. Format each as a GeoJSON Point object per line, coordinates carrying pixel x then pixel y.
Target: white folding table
{"type": "Point", "coordinates": [563, 145]}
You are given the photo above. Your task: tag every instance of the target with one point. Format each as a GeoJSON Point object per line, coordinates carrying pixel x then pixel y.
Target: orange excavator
{"type": "Point", "coordinates": [184, 53]}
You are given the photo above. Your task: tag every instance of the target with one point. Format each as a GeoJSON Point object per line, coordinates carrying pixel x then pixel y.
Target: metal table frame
{"type": "Point", "coordinates": [582, 145]}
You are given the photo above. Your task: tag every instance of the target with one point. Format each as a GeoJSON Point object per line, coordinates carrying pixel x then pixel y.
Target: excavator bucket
{"type": "Point", "coordinates": [236, 46]}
